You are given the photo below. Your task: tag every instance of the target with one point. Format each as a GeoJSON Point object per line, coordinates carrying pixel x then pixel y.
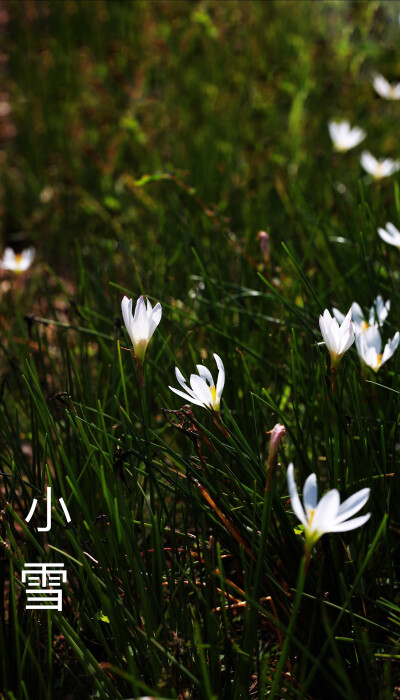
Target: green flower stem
{"type": "Point", "coordinates": [301, 579]}
{"type": "Point", "coordinates": [249, 625]}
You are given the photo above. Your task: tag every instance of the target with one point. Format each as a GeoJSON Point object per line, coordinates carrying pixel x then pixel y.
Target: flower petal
{"type": "Point", "coordinates": [294, 496]}
{"type": "Point", "coordinates": [126, 307]}
{"type": "Point", "coordinates": [201, 390]}
{"type": "Point", "coordinates": [205, 373]}
{"type": "Point", "coordinates": [350, 524]}
{"type": "Point", "coordinates": [154, 318]}
{"type": "Point", "coordinates": [325, 512]}
{"type": "Point", "coordinates": [188, 398]}
{"type": "Point", "coordinates": [140, 324]}
{"type": "Point", "coordinates": [310, 493]}
{"type": "Point", "coordinates": [221, 376]}
{"type": "Point", "coordinates": [352, 505]}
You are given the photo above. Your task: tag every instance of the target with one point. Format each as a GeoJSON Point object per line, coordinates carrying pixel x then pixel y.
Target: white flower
{"type": "Point", "coordinates": [344, 137]}
{"type": "Point", "coordinates": [327, 515]}
{"type": "Point", "coordinates": [337, 338]}
{"type": "Point", "coordinates": [385, 89]}
{"type": "Point", "coordinates": [378, 168]}
{"type": "Point", "coordinates": [369, 347]}
{"type": "Point", "coordinates": [17, 262]}
{"type": "Point", "coordinates": [142, 325]}
{"type": "Point", "coordinates": [203, 391]}
{"type": "Point", "coordinates": [377, 315]}
{"type": "Point", "coordinates": [390, 234]}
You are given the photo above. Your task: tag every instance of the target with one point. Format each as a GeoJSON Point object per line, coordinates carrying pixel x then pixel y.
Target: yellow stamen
{"type": "Point", "coordinates": [379, 359]}
{"type": "Point", "coordinates": [364, 325]}
{"type": "Point", "coordinates": [213, 393]}
{"type": "Point", "coordinates": [18, 258]}
{"type": "Point", "coordinates": [311, 516]}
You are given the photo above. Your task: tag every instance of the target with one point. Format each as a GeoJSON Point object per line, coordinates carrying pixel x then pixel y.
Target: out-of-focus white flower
{"type": "Point", "coordinates": [378, 168]}
{"type": "Point", "coordinates": [369, 348]}
{"type": "Point", "coordinates": [142, 325]}
{"type": "Point", "coordinates": [390, 234]}
{"type": "Point", "coordinates": [327, 515]}
{"type": "Point", "coordinates": [385, 89]}
{"type": "Point", "coordinates": [17, 262]}
{"type": "Point", "coordinates": [377, 314]}
{"type": "Point", "coordinates": [203, 391]}
{"type": "Point", "coordinates": [337, 338]}
{"type": "Point", "coordinates": [343, 136]}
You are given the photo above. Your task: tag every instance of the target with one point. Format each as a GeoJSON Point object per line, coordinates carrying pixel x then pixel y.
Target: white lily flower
{"type": "Point", "coordinates": [17, 262]}
{"type": "Point", "coordinates": [369, 348]}
{"type": "Point", "coordinates": [378, 168]}
{"type": "Point", "coordinates": [203, 391]}
{"type": "Point", "coordinates": [344, 137]}
{"type": "Point", "coordinates": [390, 234]}
{"type": "Point", "coordinates": [385, 89]}
{"type": "Point", "coordinates": [377, 315]}
{"type": "Point", "coordinates": [327, 515]}
{"type": "Point", "coordinates": [142, 325]}
{"type": "Point", "coordinates": [337, 338]}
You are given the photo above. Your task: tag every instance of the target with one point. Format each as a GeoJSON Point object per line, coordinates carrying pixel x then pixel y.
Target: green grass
{"type": "Point", "coordinates": [147, 145]}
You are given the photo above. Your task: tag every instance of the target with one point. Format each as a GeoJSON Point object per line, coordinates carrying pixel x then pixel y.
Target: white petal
{"type": "Point", "coordinates": [201, 390]}
{"type": "Point", "coordinates": [140, 324]}
{"type": "Point", "coordinates": [126, 307]}
{"type": "Point", "coordinates": [351, 524]}
{"type": "Point", "coordinates": [373, 339]}
{"type": "Point", "coordinates": [338, 315]}
{"type": "Point", "coordinates": [390, 347]}
{"type": "Point", "coordinates": [310, 493]}
{"type": "Point", "coordinates": [325, 512]}
{"type": "Point", "coordinates": [368, 162]}
{"type": "Point", "coordinates": [188, 398]}
{"type": "Point", "coordinates": [181, 379]}
{"type": "Point", "coordinates": [352, 505]}
{"type": "Point", "coordinates": [391, 238]}
{"type": "Point", "coordinates": [221, 376]}
{"type": "Point", "coordinates": [294, 496]}
{"type": "Point", "coordinates": [205, 374]}
{"type": "Point", "coordinates": [357, 315]}
{"type": "Point", "coordinates": [154, 318]}
{"type": "Point", "coordinates": [347, 340]}
{"type": "Point", "coordinates": [392, 229]}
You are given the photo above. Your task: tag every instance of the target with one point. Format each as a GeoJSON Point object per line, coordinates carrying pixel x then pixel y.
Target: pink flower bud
{"type": "Point", "coordinates": [277, 433]}
{"type": "Point", "coordinates": [263, 237]}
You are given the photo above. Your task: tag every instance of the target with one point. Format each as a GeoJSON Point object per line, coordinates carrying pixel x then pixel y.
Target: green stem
{"type": "Point", "coordinates": [301, 579]}
{"type": "Point", "coordinates": [251, 614]}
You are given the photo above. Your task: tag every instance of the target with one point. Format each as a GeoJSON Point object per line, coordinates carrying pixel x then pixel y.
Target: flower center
{"type": "Point", "coordinates": [311, 516]}
{"type": "Point", "coordinates": [364, 325]}
{"type": "Point", "coordinates": [378, 170]}
{"type": "Point", "coordinates": [213, 393]}
{"type": "Point", "coordinates": [379, 360]}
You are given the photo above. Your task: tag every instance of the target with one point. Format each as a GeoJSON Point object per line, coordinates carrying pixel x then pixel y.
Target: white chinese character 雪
{"type": "Point", "coordinates": [43, 588]}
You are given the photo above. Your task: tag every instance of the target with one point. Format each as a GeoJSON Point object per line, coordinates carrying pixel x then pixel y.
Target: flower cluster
{"type": "Point", "coordinates": [344, 137]}
{"type": "Point", "coordinates": [140, 328]}
{"type": "Point", "coordinates": [367, 333]}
